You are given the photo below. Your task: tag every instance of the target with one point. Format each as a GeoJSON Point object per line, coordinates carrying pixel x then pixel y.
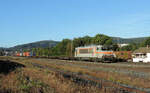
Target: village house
{"type": "Point", "coordinates": [142, 55]}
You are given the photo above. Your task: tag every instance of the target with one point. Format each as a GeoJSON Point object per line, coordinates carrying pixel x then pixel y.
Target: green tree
{"type": "Point", "coordinates": [87, 40]}
{"type": "Point", "coordinates": [126, 48]}
{"type": "Point", "coordinates": [101, 39]}
{"type": "Point", "coordinates": [109, 42]}
{"type": "Point", "coordinates": [145, 43]}
{"type": "Point", "coordinates": [61, 48]}
{"type": "Point", "coordinates": [130, 47]}
{"type": "Point", "coordinates": [78, 42]}
{"type": "Point", "coordinates": [115, 47]}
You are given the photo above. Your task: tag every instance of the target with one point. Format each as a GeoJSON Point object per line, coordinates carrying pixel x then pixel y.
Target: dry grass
{"type": "Point", "coordinates": [58, 82]}
{"type": "Point", "coordinates": [34, 80]}
{"type": "Point", "coordinates": [112, 76]}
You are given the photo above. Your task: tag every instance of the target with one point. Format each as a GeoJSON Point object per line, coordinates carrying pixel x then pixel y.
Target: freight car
{"type": "Point", "coordinates": [123, 55]}
{"type": "Point", "coordinates": [25, 54]}
{"type": "Point", "coordinates": [17, 54]}
{"type": "Point", "coordinates": [95, 52]}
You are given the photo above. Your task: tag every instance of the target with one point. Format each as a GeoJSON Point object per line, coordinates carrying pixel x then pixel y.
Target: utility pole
{"type": "Point", "coordinates": [71, 47]}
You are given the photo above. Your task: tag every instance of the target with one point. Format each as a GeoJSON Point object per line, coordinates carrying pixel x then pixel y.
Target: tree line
{"type": "Point", "coordinates": [67, 46]}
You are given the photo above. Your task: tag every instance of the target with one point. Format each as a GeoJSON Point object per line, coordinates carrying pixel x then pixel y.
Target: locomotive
{"type": "Point", "coordinates": [95, 53]}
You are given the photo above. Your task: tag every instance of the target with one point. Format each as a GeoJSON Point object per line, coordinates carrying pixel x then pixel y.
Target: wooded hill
{"type": "Point", "coordinates": [128, 40]}
{"type": "Point", "coordinates": [38, 44]}
{"type": "Point", "coordinates": [51, 43]}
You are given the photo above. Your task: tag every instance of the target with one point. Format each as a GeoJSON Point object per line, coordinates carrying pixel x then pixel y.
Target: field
{"type": "Point", "coordinates": [36, 75]}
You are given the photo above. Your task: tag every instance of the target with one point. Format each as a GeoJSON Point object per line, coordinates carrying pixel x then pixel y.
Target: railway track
{"type": "Point", "coordinates": [85, 79]}
{"type": "Point", "coordinates": [133, 73]}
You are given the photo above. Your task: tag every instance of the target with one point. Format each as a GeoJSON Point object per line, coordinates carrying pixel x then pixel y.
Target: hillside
{"type": "Point", "coordinates": [128, 40]}
{"type": "Point", "coordinates": [38, 44]}
{"type": "Point", "coordinates": [51, 43]}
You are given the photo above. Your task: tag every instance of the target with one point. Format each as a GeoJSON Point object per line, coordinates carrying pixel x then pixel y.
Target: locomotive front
{"type": "Point", "coordinates": [96, 52]}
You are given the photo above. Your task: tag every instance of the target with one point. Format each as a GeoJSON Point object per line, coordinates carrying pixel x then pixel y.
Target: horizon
{"type": "Point", "coordinates": [34, 20]}
{"type": "Point", "coordinates": [66, 38]}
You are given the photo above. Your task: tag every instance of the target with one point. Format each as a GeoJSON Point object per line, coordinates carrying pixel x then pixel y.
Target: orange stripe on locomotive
{"type": "Point", "coordinates": [94, 51]}
{"type": "Point", "coordinates": [104, 52]}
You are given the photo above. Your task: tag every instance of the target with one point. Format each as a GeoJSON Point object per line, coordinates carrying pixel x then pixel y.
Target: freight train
{"type": "Point", "coordinates": [96, 53]}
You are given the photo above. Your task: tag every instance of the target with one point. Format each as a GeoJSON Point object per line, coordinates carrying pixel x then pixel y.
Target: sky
{"type": "Point", "coordinates": [25, 21]}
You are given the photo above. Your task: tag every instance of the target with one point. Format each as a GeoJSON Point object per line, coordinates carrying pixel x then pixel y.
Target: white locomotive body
{"type": "Point", "coordinates": [93, 51]}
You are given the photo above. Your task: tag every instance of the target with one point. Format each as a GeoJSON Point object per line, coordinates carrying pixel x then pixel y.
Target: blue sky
{"type": "Point", "coordinates": [24, 21]}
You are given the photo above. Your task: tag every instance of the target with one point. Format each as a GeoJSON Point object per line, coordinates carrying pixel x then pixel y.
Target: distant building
{"type": "Point", "coordinates": [122, 45]}
{"type": "Point", "coordinates": [6, 53]}
{"type": "Point", "coordinates": [142, 55]}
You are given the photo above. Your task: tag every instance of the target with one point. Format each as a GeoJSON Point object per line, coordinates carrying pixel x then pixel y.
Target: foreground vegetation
{"type": "Point", "coordinates": [28, 75]}
{"type": "Point", "coordinates": [30, 79]}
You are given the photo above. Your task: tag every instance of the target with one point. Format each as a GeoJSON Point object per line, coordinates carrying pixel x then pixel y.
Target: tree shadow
{"type": "Point", "coordinates": [8, 66]}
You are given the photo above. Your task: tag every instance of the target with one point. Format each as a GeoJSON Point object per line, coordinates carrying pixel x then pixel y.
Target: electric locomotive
{"type": "Point", "coordinates": [95, 52]}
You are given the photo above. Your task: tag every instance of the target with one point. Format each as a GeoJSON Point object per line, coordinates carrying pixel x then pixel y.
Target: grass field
{"type": "Point", "coordinates": [31, 75]}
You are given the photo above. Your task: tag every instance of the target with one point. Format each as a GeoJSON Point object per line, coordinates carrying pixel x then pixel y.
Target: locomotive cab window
{"type": "Point", "coordinates": [83, 51]}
